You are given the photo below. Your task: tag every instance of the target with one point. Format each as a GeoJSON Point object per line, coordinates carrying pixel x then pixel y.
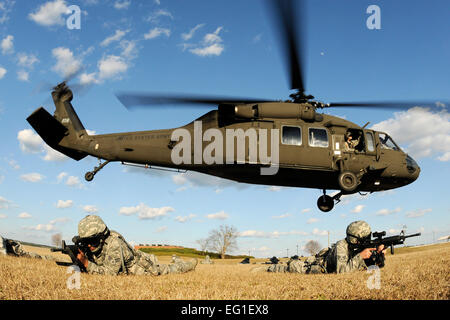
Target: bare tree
{"type": "Point", "coordinates": [56, 239]}
{"type": "Point", "coordinates": [203, 243]}
{"type": "Point", "coordinates": [223, 240]}
{"type": "Point", "coordinates": [312, 247]}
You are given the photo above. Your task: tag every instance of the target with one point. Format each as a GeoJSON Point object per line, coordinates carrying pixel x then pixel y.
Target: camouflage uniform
{"type": "Point", "coordinates": [341, 257]}
{"type": "Point", "coordinates": [207, 260]}
{"type": "Point", "coordinates": [2, 246]}
{"type": "Point", "coordinates": [15, 248]}
{"type": "Point", "coordinates": [115, 256]}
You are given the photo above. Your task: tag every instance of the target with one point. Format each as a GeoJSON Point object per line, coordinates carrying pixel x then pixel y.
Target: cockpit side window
{"type": "Point", "coordinates": [387, 142]}
{"type": "Point", "coordinates": [370, 142]}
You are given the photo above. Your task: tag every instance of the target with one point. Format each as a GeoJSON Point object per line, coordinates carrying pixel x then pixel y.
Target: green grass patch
{"type": "Point", "coordinates": [189, 252]}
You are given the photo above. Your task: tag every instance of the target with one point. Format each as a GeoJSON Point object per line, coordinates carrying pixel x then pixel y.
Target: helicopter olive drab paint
{"type": "Point", "coordinates": [278, 143]}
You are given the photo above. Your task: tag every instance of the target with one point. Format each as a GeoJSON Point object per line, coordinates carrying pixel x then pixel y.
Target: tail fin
{"type": "Point", "coordinates": [64, 130]}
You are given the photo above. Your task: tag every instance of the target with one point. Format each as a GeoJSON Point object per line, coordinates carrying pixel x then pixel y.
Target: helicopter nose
{"type": "Point", "coordinates": [413, 168]}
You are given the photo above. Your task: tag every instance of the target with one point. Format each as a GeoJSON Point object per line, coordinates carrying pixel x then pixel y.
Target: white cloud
{"type": "Point", "coordinates": [5, 203]}
{"type": "Point", "coordinates": [29, 141]}
{"type": "Point", "coordinates": [312, 220]}
{"type": "Point", "coordinates": [49, 227]}
{"type": "Point", "coordinates": [156, 32]}
{"type": "Point", "coordinates": [418, 213]}
{"type": "Point", "coordinates": [63, 204]}
{"type": "Point", "coordinates": [210, 46]}
{"type": "Point", "coordinates": [61, 176]}
{"type": "Point", "coordinates": [90, 209]}
{"type": "Point", "coordinates": [53, 155]}
{"type": "Point", "coordinates": [5, 9]}
{"type": "Point", "coordinates": [115, 37]}
{"type": "Point", "coordinates": [161, 229]}
{"type": "Point", "coordinates": [23, 75]}
{"type": "Point", "coordinates": [7, 45]}
{"type": "Point", "coordinates": [306, 210]}
{"type": "Point", "coordinates": [286, 215]}
{"type": "Point", "coordinates": [88, 78]}
{"type": "Point", "coordinates": [59, 220]}
{"type": "Point", "coordinates": [422, 132]}
{"type": "Point", "coordinates": [318, 232]}
{"type": "Point", "coordinates": [154, 17]}
{"type": "Point", "coordinates": [144, 212]}
{"type": "Point", "coordinates": [32, 177]}
{"type": "Point", "coordinates": [119, 5]}
{"type": "Point", "coordinates": [222, 215]}
{"type": "Point", "coordinates": [111, 67]}
{"type": "Point", "coordinates": [274, 188]}
{"type": "Point", "coordinates": [386, 212]}
{"type": "Point", "coordinates": [3, 216]}
{"type": "Point", "coordinates": [273, 234]}
{"type": "Point", "coordinates": [190, 34]}
{"type": "Point", "coordinates": [197, 179]}
{"type": "Point", "coordinates": [66, 63]}
{"type": "Point", "coordinates": [2, 72]}
{"type": "Point", "coordinates": [42, 227]}
{"type": "Point", "coordinates": [185, 218]}
{"type": "Point", "coordinates": [26, 60]}
{"type": "Point", "coordinates": [14, 164]}
{"type": "Point", "coordinates": [50, 13]}
{"type": "Point", "coordinates": [24, 215]}
{"type": "Point", "coordinates": [358, 208]}
{"type": "Point", "coordinates": [129, 50]}
{"type": "Point", "coordinates": [212, 50]}
{"type": "Point", "coordinates": [73, 181]}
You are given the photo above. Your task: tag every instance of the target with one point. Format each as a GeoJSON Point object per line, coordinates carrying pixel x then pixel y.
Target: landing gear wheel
{"type": "Point", "coordinates": [89, 176]}
{"type": "Point", "coordinates": [325, 203]}
{"type": "Point", "coordinates": [348, 181]}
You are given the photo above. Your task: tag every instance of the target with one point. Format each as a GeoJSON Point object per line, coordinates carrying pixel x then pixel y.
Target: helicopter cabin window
{"type": "Point", "coordinates": [387, 142]}
{"type": "Point", "coordinates": [291, 135]}
{"type": "Point", "coordinates": [318, 137]}
{"type": "Point", "coordinates": [370, 142]}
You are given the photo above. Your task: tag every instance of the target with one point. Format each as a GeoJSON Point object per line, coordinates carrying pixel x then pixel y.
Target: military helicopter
{"type": "Point", "coordinates": [315, 150]}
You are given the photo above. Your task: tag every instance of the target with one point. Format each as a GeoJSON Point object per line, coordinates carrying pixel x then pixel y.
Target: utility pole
{"type": "Point", "coordinates": [328, 238]}
{"type": "Point", "coordinates": [297, 249]}
{"type": "Point", "coordinates": [287, 252]}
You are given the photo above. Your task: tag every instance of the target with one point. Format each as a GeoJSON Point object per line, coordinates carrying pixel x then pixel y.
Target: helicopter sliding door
{"type": "Point", "coordinates": [318, 150]}
{"type": "Point", "coordinates": [292, 147]}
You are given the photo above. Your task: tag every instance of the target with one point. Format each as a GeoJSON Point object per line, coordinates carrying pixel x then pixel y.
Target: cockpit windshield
{"type": "Point", "coordinates": [387, 142]}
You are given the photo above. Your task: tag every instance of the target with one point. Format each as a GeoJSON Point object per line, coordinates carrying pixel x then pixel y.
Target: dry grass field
{"type": "Point", "coordinates": [421, 273]}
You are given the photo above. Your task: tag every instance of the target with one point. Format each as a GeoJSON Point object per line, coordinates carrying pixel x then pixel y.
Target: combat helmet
{"type": "Point", "coordinates": [357, 231]}
{"type": "Point", "coordinates": [92, 227]}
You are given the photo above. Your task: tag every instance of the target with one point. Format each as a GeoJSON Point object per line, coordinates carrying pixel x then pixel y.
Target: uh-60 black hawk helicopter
{"type": "Point", "coordinates": [315, 150]}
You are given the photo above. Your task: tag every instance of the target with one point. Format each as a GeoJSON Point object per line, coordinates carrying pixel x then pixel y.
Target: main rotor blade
{"type": "Point", "coordinates": [286, 16]}
{"type": "Point", "coordinates": [135, 100]}
{"type": "Point", "coordinates": [391, 104]}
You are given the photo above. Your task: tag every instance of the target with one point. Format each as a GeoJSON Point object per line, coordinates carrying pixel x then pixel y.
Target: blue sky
{"type": "Point", "coordinates": [218, 48]}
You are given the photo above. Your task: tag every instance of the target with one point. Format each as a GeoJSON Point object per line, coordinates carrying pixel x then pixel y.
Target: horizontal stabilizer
{"type": "Point", "coordinates": [52, 132]}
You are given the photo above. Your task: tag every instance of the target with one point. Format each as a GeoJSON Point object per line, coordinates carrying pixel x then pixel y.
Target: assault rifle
{"type": "Point", "coordinates": [72, 251]}
{"type": "Point", "coordinates": [377, 258]}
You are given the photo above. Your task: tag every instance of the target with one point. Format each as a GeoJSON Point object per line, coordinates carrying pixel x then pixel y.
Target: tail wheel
{"type": "Point", "coordinates": [325, 203]}
{"type": "Point", "coordinates": [348, 181]}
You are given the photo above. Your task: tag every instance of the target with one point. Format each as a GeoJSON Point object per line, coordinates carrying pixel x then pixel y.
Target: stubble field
{"type": "Point", "coordinates": [421, 273]}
